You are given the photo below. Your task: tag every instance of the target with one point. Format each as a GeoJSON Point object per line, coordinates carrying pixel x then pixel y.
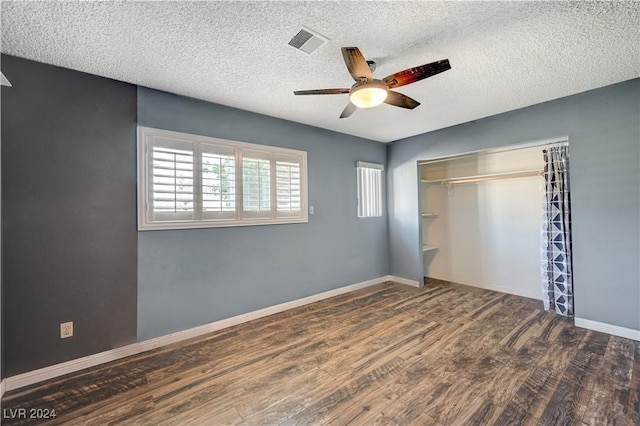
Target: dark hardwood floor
{"type": "Point", "coordinates": [390, 354]}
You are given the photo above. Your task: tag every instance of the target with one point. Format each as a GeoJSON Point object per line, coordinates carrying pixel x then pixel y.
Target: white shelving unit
{"type": "Point", "coordinates": [429, 247]}
{"type": "Point", "coordinates": [429, 216]}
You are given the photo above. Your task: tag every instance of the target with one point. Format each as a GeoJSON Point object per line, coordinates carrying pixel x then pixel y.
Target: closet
{"type": "Point", "coordinates": [481, 217]}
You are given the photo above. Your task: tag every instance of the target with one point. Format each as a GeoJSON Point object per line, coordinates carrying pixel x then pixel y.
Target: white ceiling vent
{"type": "Point", "coordinates": [307, 41]}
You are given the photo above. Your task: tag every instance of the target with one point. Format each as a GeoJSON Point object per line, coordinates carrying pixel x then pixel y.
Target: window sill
{"type": "Point", "coordinates": [170, 225]}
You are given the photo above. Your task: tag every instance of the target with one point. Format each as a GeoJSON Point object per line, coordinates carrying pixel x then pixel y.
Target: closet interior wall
{"type": "Point", "coordinates": [484, 234]}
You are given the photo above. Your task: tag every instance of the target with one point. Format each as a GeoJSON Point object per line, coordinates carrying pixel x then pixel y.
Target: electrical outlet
{"type": "Point", "coordinates": [66, 329]}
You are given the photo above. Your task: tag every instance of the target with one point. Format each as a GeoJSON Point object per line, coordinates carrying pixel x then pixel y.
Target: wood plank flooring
{"type": "Point", "coordinates": [390, 354]}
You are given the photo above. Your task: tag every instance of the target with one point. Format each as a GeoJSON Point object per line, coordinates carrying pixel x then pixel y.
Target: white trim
{"type": "Point", "coordinates": [537, 295]}
{"type": "Point", "coordinates": [559, 140]}
{"type": "Point", "coordinates": [366, 165]}
{"type": "Point", "coordinates": [628, 333]}
{"type": "Point", "coordinates": [46, 373]}
{"type": "Point", "coordinates": [2, 388]}
{"type": "Point", "coordinates": [404, 281]}
{"type": "Point", "coordinates": [516, 292]}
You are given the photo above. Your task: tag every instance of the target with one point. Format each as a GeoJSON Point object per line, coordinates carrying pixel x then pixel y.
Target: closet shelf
{"type": "Point", "coordinates": [485, 177]}
{"type": "Point", "coordinates": [426, 248]}
{"type": "Point", "coordinates": [429, 214]}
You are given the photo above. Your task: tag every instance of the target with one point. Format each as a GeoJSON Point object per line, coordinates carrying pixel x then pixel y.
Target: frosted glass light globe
{"type": "Point", "coordinates": [369, 94]}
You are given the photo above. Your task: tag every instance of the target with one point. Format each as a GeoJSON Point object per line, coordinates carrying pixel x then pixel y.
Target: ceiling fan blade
{"type": "Point", "coordinates": [350, 108]}
{"type": "Point", "coordinates": [356, 63]}
{"type": "Point", "coordinates": [400, 100]}
{"type": "Point", "coordinates": [321, 92]}
{"type": "Point", "coordinates": [411, 75]}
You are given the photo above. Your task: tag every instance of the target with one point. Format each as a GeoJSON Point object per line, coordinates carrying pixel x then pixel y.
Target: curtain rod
{"type": "Point", "coordinates": [485, 177]}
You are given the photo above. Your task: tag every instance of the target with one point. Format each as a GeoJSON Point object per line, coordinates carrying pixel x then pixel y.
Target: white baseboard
{"type": "Point", "coordinates": [628, 333]}
{"type": "Point", "coordinates": [57, 370]}
{"type": "Point", "coordinates": [404, 281]}
{"type": "Point", "coordinates": [537, 295]}
{"type": "Point", "coordinates": [515, 291]}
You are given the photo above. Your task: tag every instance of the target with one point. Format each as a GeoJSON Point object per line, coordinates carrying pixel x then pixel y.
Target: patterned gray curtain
{"type": "Point", "coordinates": [557, 282]}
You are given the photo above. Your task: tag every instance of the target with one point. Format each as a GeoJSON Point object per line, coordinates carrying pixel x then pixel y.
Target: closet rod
{"type": "Point", "coordinates": [485, 177]}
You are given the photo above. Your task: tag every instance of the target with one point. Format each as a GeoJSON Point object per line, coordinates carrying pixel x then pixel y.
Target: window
{"type": "Point", "coordinates": [190, 181]}
{"type": "Point", "coordinates": [369, 189]}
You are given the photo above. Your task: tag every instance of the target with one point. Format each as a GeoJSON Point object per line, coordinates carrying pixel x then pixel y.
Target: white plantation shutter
{"type": "Point", "coordinates": [288, 186]}
{"type": "Point", "coordinates": [190, 181]}
{"type": "Point", "coordinates": [369, 189]}
{"type": "Point", "coordinates": [256, 184]}
{"type": "Point", "coordinates": [171, 180]}
{"type": "Point", "coordinates": [218, 182]}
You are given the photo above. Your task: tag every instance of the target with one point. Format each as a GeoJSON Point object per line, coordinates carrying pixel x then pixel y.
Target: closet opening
{"type": "Point", "coordinates": [483, 220]}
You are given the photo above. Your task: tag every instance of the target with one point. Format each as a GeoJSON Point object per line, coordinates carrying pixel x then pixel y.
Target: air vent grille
{"type": "Point", "coordinates": [307, 41]}
{"type": "Point", "coordinates": [299, 39]}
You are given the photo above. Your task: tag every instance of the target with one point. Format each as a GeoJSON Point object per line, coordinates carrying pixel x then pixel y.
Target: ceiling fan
{"type": "Point", "coordinates": [369, 92]}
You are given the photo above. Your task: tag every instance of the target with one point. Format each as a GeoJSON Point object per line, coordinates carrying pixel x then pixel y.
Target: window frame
{"type": "Point", "coordinates": [148, 137]}
{"type": "Point", "coordinates": [367, 197]}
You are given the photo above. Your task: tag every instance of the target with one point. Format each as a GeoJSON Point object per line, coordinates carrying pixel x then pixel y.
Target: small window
{"type": "Point", "coordinates": [369, 189]}
{"type": "Point", "coordinates": [190, 181]}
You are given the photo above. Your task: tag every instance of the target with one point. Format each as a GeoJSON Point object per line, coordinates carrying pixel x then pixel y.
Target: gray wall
{"type": "Point", "coordinates": [188, 278]}
{"type": "Point", "coordinates": [68, 214]}
{"type": "Point", "coordinates": [603, 126]}
{"type": "Point", "coordinates": [1, 315]}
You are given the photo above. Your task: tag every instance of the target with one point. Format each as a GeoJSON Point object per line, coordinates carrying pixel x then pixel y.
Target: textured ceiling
{"type": "Point", "coordinates": [504, 55]}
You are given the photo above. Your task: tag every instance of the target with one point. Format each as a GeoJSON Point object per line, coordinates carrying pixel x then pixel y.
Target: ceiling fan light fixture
{"type": "Point", "coordinates": [369, 94]}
